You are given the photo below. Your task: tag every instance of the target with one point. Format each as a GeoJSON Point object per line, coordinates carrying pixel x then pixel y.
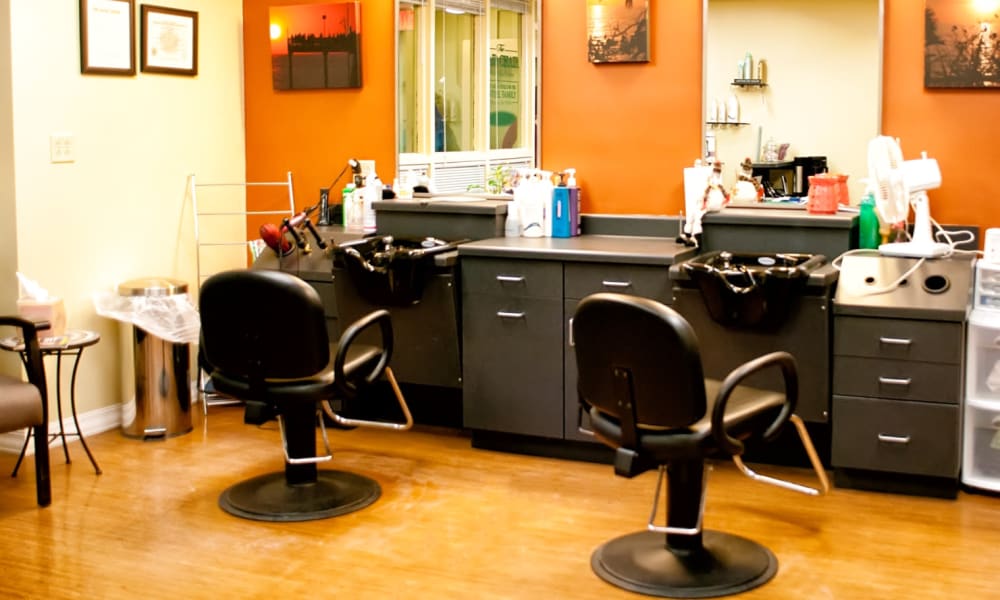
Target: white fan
{"type": "Point", "coordinates": [898, 184]}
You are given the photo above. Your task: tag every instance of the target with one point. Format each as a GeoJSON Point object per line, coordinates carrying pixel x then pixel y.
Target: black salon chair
{"type": "Point", "coordinates": [641, 384]}
{"type": "Point", "coordinates": [264, 341]}
{"type": "Point", "coordinates": [25, 404]}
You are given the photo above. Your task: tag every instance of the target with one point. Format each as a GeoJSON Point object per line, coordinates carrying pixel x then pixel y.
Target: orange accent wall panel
{"type": "Point", "coordinates": [958, 127]}
{"type": "Point", "coordinates": [628, 128]}
{"type": "Point", "coordinates": [313, 133]}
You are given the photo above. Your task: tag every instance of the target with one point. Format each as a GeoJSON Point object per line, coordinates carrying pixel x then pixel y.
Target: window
{"type": "Point", "coordinates": [466, 81]}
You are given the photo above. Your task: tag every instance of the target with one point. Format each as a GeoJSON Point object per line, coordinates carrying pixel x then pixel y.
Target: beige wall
{"type": "Point", "coordinates": [120, 210]}
{"type": "Point", "coordinates": [823, 75]}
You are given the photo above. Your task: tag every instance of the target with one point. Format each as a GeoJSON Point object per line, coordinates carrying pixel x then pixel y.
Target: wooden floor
{"type": "Point", "coordinates": [453, 522]}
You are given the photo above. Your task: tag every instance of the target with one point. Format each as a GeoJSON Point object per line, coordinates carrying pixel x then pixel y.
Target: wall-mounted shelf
{"type": "Point", "coordinates": [749, 83]}
{"type": "Point", "coordinates": [725, 124]}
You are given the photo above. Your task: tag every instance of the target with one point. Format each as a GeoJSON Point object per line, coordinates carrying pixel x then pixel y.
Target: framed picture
{"type": "Point", "coordinates": [617, 31]}
{"type": "Point", "coordinates": [107, 37]}
{"type": "Point", "coordinates": [316, 46]}
{"type": "Point", "coordinates": [169, 40]}
{"type": "Point", "coordinates": [960, 44]}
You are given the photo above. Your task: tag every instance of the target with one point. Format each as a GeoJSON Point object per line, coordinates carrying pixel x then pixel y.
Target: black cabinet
{"type": "Point", "coordinates": [512, 350]}
{"type": "Point", "coordinates": [519, 368]}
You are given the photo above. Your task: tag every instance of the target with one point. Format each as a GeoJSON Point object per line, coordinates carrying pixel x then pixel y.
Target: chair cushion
{"type": "Point", "coordinates": [749, 411]}
{"type": "Point", "coordinates": [361, 360]}
{"type": "Point", "coordinates": [20, 404]}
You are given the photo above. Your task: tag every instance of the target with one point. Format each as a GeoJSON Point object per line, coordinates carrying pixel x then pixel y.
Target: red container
{"type": "Point", "coordinates": [824, 194]}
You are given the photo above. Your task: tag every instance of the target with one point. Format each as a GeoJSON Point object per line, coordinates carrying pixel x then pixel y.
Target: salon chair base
{"type": "Point", "coordinates": [727, 564]}
{"type": "Point", "coordinates": [271, 498]}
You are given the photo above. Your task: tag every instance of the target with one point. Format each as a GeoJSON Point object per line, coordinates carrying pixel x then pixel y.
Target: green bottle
{"type": "Point", "coordinates": [868, 236]}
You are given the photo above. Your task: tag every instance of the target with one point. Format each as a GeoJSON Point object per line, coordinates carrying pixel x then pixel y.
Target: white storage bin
{"type": "Point", "coordinates": [981, 455]}
{"type": "Point", "coordinates": [987, 294]}
{"type": "Point", "coordinates": [982, 359]}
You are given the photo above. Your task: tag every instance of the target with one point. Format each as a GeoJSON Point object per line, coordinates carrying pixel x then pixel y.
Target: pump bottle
{"type": "Point", "coordinates": [868, 224]}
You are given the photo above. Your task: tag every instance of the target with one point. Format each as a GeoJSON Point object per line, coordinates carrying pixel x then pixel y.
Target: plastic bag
{"type": "Point", "coordinates": [172, 318]}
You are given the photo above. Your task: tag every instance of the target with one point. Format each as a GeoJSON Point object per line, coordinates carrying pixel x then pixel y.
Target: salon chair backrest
{"type": "Point", "coordinates": [658, 348]}
{"type": "Point", "coordinates": [288, 339]}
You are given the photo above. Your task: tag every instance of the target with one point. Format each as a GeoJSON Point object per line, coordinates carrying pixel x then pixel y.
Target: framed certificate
{"type": "Point", "coordinates": [107, 37]}
{"type": "Point", "coordinates": [169, 41]}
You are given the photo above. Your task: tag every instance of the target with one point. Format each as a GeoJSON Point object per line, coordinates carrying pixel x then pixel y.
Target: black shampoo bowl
{"type": "Point", "coordinates": [390, 271]}
{"type": "Point", "coordinates": [750, 290]}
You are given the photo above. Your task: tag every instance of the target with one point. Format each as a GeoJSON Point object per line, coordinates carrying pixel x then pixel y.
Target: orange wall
{"type": "Point", "coordinates": [957, 127]}
{"type": "Point", "coordinates": [629, 129]}
{"type": "Point", "coordinates": [313, 133]}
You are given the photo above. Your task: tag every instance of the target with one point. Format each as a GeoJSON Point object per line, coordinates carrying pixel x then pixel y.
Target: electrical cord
{"type": "Point", "coordinates": [949, 238]}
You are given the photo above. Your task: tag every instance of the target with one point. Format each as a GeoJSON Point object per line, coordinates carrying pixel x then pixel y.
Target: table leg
{"type": "Point", "coordinates": [72, 405]}
{"type": "Point", "coordinates": [62, 430]}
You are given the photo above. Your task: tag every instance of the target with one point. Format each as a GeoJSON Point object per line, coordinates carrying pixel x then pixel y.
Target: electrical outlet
{"type": "Point", "coordinates": [61, 148]}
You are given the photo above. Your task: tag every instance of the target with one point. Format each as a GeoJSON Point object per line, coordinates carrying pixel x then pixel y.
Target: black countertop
{"type": "Point", "coordinates": [585, 248]}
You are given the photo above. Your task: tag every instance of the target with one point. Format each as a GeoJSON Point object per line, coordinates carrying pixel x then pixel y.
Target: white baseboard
{"type": "Point", "coordinates": [91, 423]}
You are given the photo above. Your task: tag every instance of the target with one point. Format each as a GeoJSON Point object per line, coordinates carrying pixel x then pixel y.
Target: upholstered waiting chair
{"type": "Point", "coordinates": [264, 340]}
{"type": "Point", "coordinates": [25, 404]}
{"type": "Point", "coordinates": [641, 383]}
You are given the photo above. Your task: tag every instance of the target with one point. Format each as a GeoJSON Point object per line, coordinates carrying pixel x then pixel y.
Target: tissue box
{"type": "Point", "coordinates": [52, 310]}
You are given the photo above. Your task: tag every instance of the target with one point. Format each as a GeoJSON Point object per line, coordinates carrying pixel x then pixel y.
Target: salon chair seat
{"type": "Point", "coordinates": [25, 404]}
{"type": "Point", "coordinates": [641, 383]}
{"type": "Point", "coordinates": [264, 340]}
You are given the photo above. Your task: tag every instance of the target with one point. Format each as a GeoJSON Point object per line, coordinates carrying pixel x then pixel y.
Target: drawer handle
{"type": "Point", "coordinates": [510, 315]}
{"type": "Point", "coordinates": [616, 284]}
{"type": "Point", "coordinates": [893, 439]}
{"type": "Point", "coordinates": [511, 278]}
{"type": "Point", "coordinates": [895, 341]}
{"type": "Point", "coordinates": [894, 381]}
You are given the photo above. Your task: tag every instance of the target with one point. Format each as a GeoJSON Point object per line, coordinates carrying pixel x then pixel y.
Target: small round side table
{"type": "Point", "coordinates": [71, 343]}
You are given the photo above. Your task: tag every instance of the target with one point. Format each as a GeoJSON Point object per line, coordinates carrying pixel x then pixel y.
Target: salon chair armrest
{"type": "Point", "coordinates": [782, 360]}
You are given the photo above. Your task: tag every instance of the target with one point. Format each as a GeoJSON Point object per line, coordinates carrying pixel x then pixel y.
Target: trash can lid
{"type": "Point", "coordinates": [152, 286]}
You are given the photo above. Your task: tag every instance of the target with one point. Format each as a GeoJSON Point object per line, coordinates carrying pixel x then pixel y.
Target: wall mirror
{"type": "Point", "coordinates": [822, 82]}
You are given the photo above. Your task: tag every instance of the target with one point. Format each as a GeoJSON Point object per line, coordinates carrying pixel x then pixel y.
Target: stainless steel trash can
{"type": "Point", "coordinates": [162, 405]}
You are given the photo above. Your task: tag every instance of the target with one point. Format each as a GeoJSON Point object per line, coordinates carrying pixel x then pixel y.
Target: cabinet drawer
{"type": "Point", "coordinates": [891, 435]}
{"type": "Point", "coordinates": [929, 341]}
{"type": "Point", "coordinates": [899, 379]}
{"type": "Point", "coordinates": [583, 279]}
{"type": "Point", "coordinates": [512, 365]}
{"type": "Point", "coordinates": [506, 277]}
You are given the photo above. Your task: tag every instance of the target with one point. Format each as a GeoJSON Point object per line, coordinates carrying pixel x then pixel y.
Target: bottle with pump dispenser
{"type": "Point", "coordinates": [868, 223]}
{"type": "Point", "coordinates": [566, 206]}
